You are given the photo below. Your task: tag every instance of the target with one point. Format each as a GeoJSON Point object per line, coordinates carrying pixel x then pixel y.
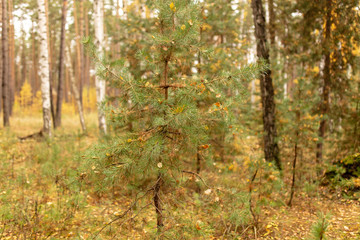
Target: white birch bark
{"type": "Point", "coordinates": [44, 68]}
{"type": "Point", "coordinates": [74, 88]}
{"type": "Point", "coordinates": [99, 82]}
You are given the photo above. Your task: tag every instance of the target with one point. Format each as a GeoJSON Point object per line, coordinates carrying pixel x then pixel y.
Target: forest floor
{"type": "Point", "coordinates": [39, 199]}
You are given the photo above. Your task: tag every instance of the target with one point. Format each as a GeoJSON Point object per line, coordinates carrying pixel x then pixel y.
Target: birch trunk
{"type": "Point", "coordinates": [44, 69]}
{"type": "Point", "coordinates": [74, 88]}
{"type": "Point", "coordinates": [100, 83]}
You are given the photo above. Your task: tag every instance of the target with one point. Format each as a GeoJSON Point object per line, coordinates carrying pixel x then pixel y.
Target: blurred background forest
{"type": "Point", "coordinates": [257, 101]}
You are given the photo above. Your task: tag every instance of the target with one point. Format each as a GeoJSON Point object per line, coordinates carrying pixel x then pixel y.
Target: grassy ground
{"type": "Point", "coordinates": [42, 196]}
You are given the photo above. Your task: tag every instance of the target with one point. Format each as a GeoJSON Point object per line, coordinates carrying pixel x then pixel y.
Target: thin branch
{"type": "Point", "coordinates": [124, 213]}
{"type": "Point", "coordinates": [197, 175]}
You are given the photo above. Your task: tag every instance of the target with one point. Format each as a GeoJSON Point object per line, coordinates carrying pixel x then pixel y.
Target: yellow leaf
{"type": "Point", "coordinates": [315, 69]}
{"type": "Point", "coordinates": [183, 27]}
{"type": "Point", "coordinates": [172, 6]}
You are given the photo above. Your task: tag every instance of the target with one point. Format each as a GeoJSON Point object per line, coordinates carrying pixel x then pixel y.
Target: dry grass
{"type": "Point", "coordinates": [38, 201]}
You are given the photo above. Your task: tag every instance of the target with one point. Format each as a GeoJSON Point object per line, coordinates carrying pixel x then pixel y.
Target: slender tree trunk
{"type": "Point", "coordinates": [296, 149]}
{"type": "Point", "coordinates": [66, 84]}
{"type": "Point", "coordinates": [271, 148]}
{"type": "Point", "coordinates": [1, 58]}
{"type": "Point", "coordinates": [87, 57]}
{"type": "Point", "coordinates": [271, 22]}
{"type": "Point", "coordinates": [74, 88]}
{"type": "Point", "coordinates": [23, 63]}
{"type": "Point", "coordinates": [78, 51]}
{"type": "Point", "coordinates": [34, 75]}
{"type": "Point", "coordinates": [11, 56]}
{"type": "Point", "coordinates": [6, 65]}
{"type": "Point", "coordinates": [50, 61]}
{"type": "Point", "coordinates": [82, 56]}
{"type": "Point", "coordinates": [44, 68]}
{"type": "Point", "coordinates": [60, 93]}
{"type": "Point", "coordinates": [325, 86]}
{"type": "Point", "coordinates": [100, 83]}
{"type": "Point", "coordinates": [158, 204]}
{"type": "Point", "coordinates": [198, 154]}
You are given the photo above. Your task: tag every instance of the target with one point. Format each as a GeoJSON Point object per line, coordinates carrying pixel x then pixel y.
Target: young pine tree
{"type": "Point", "coordinates": [168, 127]}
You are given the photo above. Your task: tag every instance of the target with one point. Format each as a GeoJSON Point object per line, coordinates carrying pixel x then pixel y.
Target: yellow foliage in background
{"type": "Point", "coordinates": [89, 99]}
{"type": "Point", "coordinates": [26, 103]}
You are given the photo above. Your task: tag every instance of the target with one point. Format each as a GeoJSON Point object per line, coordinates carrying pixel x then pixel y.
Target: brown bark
{"type": "Point", "coordinates": [82, 56]}
{"type": "Point", "coordinates": [271, 22]}
{"type": "Point", "coordinates": [61, 67]}
{"type": "Point", "coordinates": [23, 65]}
{"type": "Point", "coordinates": [78, 50]}
{"type": "Point", "coordinates": [6, 65]}
{"type": "Point", "coordinates": [296, 149]}
{"type": "Point", "coordinates": [325, 107]}
{"type": "Point", "coordinates": [74, 88]}
{"type": "Point", "coordinates": [271, 148]}
{"type": "Point", "coordinates": [87, 57]}
{"type": "Point", "coordinates": [11, 55]}
{"type": "Point", "coordinates": [34, 75]}
{"type": "Point", "coordinates": [50, 62]}
{"type": "Point", "coordinates": [66, 86]}
{"type": "Point", "coordinates": [1, 58]}
{"type": "Point", "coordinates": [157, 203]}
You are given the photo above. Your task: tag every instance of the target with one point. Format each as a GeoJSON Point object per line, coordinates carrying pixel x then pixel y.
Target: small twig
{"type": "Point", "coordinates": [124, 213]}
{"type": "Point", "coordinates": [250, 200]}
{"type": "Point", "coordinates": [132, 218]}
{"type": "Point", "coordinates": [197, 175]}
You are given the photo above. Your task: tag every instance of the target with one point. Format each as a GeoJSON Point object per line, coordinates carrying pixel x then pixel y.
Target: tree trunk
{"type": "Point", "coordinates": [61, 67]}
{"type": "Point", "coordinates": [271, 148]}
{"type": "Point", "coordinates": [11, 56]}
{"type": "Point", "coordinates": [1, 58]}
{"type": "Point", "coordinates": [158, 205]}
{"type": "Point", "coordinates": [24, 69]}
{"type": "Point", "coordinates": [82, 56]}
{"type": "Point", "coordinates": [87, 57]}
{"type": "Point", "coordinates": [50, 61]}
{"type": "Point", "coordinates": [44, 69]}
{"type": "Point", "coordinates": [74, 88]}
{"type": "Point", "coordinates": [6, 65]}
{"type": "Point", "coordinates": [325, 86]}
{"type": "Point", "coordinates": [100, 83]}
{"type": "Point", "coordinates": [296, 150]}
{"type": "Point", "coordinates": [34, 74]}
{"type": "Point", "coordinates": [271, 22]}
{"type": "Point", "coordinates": [78, 50]}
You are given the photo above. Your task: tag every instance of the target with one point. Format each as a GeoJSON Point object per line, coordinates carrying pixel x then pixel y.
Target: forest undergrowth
{"type": "Point", "coordinates": [45, 195]}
